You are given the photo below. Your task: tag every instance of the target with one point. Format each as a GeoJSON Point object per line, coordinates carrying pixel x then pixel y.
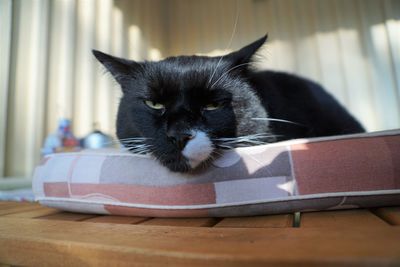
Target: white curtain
{"type": "Point", "coordinates": [47, 71]}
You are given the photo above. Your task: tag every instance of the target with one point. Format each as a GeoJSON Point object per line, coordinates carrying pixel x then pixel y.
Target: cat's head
{"type": "Point", "coordinates": [186, 107]}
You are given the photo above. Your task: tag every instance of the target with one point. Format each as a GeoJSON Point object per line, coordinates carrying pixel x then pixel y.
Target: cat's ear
{"type": "Point", "coordinates": [245, 54]}
{"type": "Point", "coordinates": [121, 69]}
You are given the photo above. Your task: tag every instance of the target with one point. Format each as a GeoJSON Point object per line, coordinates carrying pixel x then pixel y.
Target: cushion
{"type": "Point", "coordinates": [348, 171]}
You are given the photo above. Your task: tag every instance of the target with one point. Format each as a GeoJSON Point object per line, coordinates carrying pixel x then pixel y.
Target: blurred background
{"type": "Point", "coordinates": [47, 71]}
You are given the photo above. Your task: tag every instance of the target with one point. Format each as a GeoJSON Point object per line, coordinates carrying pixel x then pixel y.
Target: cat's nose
{"type": "Point", "coordinates": [180, 139]}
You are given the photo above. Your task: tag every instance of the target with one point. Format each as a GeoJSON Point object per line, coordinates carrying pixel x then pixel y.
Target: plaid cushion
{"type": "Point", "coordinates": [339, 172]}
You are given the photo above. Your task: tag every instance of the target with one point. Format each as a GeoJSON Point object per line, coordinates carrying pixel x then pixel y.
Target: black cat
{"type": "Point", "coordinates": [182, 109]}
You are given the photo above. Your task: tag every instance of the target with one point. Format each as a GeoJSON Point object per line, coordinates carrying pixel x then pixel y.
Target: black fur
{"type": "Point", "coordinates": [289, 97]}
{"type": "Point", "coordinates": [186, 84]}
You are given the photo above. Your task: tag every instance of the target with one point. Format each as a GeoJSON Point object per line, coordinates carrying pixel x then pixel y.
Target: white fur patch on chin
{"type": "Point", "coordinates": [197, 149]}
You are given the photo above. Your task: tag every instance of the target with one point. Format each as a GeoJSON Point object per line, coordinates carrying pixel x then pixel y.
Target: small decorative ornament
{"type": "Point", "coordinates": [96, 140]}
{"type": "Point", "coordinates": [62, 141]}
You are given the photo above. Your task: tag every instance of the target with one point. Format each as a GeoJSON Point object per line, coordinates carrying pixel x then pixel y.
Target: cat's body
{"type": "Point", "coordinates": [292, 98]}
{"type": "Point", "coordinates": [182, 109]}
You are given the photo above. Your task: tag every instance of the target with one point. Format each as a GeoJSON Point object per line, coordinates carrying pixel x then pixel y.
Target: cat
{"type": "Point", "coordinates": [184, 109]}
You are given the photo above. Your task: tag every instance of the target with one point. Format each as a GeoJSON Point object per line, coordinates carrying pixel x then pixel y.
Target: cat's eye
{"type": "Point", "coordinates": [154, 105]}
{"type": "Point", "coordinates": [212, 106]}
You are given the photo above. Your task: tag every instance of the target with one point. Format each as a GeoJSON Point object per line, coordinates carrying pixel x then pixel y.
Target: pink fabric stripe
{"type": "Point", "coordinates": [56, 189]}
{"type": "Point", "coordinates": [363, 164]}
{"type": "Point", "coordinates": [187, 194]}
{"type": "Point", "coordinates": [142, 212]}
{"type": "Point", "coordinates": [393, 144]}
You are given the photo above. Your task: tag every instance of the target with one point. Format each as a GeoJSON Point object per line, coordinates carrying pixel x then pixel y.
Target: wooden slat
{"type": "Point", "coordinates": [43, 211]}
{"type": "Point", "coordinates": [343, 218]}
{"type": "Point", "coordinates": [273, 221]}
{"type": "Point", "coordinates": [117, 219]}
{"type": "Point", "coordinates": [7, 204]}
{"type": "Point", "coordinates": [20, 207]}
{"type": "Point", "coordinates": [389, 214]}
{"type": "Point", "coordinates": [67, 216]}
{"type": "Point", "coordinates": [194, 222]}
{"type": "Point", "coordinates": [64, 243]}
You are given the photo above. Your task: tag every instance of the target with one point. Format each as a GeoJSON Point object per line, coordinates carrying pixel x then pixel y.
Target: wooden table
{"type": "Point", "coordinates": [32, 235]}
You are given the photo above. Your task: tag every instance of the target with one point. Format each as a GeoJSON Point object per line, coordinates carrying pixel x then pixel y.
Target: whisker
{"type": "Point", "coordinates": [134, 138]}
{"type": "Point", "coordinates": [278, 120]}
{"type": "Point", "coordinates": [240, 141]}
{"type": "Point", "coordinates": [225, 73]}
{"type": "Point", "coordinates": [134, 148]}
{"type": "Point", "coordinates": [229, 44]}
{"type": "Point", "coordinates": [137, 148]}
{"type": "Point", "coordinates": [139, 151]}
{"type": "Point", "coordinates": [131, 143]}
{"type": "Point", "coordinates": [224, 146]}
{"type": "Point", "coordinates": [124, 140]}
{"type": "Point", "coordinates": [245, 137]}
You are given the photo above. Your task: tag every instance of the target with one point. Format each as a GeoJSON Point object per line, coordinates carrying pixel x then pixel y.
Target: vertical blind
{"type": "Point", "coordinates": [47, 70]}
